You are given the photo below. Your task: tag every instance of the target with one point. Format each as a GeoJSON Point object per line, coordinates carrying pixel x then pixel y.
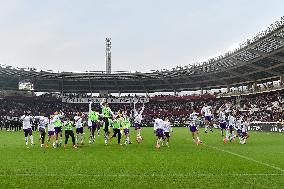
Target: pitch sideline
{"type": "Point", "coordinates": [247, 158]}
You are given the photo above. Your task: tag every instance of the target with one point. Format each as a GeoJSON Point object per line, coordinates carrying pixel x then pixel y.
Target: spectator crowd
{"type": "Point", "coordinates": [265, 107]}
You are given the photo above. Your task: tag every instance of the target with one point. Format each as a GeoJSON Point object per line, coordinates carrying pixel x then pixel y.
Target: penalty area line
{"type": "Point", "coordinates": [247, 158]}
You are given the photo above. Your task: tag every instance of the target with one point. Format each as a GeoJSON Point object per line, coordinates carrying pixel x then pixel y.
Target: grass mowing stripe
{"type": "Point", "coordinates": [183, 165]}
{"type": "Point", "coordinates": [247, 158]}
{"type": "Point", "coordinates": [143, 175]}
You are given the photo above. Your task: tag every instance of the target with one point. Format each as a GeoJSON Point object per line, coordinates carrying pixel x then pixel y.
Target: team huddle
{"type": "Point", "coordinates": [103, 118]}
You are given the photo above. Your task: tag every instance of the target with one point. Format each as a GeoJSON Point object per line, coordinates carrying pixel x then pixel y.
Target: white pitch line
{"type": "Point", "coordinates": [141, 175]}
{"type": "Point", "coordinates": [247, 158]}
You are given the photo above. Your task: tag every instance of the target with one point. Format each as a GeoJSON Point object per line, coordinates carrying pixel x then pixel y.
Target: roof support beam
{"type": "Point", "coordinates": [278, 38]}
{"type": "Point", "coordinates": [143, 85]}
{"type": "Point", "coordinates": [232, 72]}
{"type": "Point", "coordinates": [277, 58]}
{"type": "Point", "coordinates": [260, 68]}
{"type": "Point", "coordinates": [257, 52]}
{"type": "Point", "coordinates": [169, 83]}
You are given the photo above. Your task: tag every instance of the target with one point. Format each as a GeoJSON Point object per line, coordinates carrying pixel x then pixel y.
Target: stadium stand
{"type": "Point", "coordinates": [263, 107]}
{"type": "Point", "coordinates": [256, 64]}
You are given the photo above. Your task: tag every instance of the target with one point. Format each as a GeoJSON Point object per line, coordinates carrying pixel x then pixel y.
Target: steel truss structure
{"type": "Point", "coordinates": [261, 59]}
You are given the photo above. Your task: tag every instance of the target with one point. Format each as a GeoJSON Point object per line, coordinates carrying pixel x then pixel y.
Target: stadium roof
{"type": "Point", "coordinates": [258, 59]}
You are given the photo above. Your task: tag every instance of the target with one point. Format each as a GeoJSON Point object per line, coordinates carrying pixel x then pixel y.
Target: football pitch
{"type": "Point", "coordinates": [257, 164]}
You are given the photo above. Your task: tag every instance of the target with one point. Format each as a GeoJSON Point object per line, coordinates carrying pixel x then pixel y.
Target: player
{"type": "Point", "coordinates": [222, 121]}
{"type": "Point", "coordinates": [68, 126]}
{"type": "Point", "coordinates": [193, 118]}
{"type": "Point", "coordinates": [93, 123]}
{"type": "Point", "coordinates": [107, 116]}
{"type": "Point", "coordinates": [238, 127]}
{"type": "Point", "coordinates": [27, 127]}
{"type": "Point", "coordinates": [206, 112]}
{"type": "Point", "coordinates": [50, 132]}
{"type": "Point", "coordinates": [245, 134]}
{"type": "Point", "coordinates": [126, 125]}
{"type": "Point", "coordinates": [58, 127]}
{"type": "Point", "coordinates": [167, 128]}
{"type": "Point", "coordinates": [99, 127]}
{"type": "Point", "coordinates": [79, 128]}
{"type": "Point", "coordinates": [117, 124]}
{"type": "Point", "coordinates": [230, 133]}
{"type": "Point", "coordinates": [137, 122]}
{"type": "Point", "coordinates": [158, 130]}
{"type": "Point", "coordinates": [43, 121]}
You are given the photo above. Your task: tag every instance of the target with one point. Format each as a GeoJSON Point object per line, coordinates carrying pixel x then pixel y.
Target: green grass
{"type": "Point", "coordinates": [258, 164]}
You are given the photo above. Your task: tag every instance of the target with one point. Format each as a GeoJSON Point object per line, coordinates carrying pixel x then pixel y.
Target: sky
{"type": "Point", "coordinates": [69, 35]}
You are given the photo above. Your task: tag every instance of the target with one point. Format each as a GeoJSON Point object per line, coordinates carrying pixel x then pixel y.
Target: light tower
{"type": "Point", "coordinates": [108, 55]}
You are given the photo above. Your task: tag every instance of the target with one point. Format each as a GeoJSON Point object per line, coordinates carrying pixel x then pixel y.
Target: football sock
{"type": "Point", "coordinates": [32, 139]}
{"type": "Point", "coordinates": [227, 134]}
{"type": "Point", "coordinates": [82, 138]}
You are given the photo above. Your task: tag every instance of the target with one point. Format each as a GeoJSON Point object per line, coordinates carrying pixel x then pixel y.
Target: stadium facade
{"type": "Point", "coordinates": [258, 60]}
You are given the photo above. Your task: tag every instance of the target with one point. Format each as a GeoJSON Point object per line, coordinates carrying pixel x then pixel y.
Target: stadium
{"type": "Point", "coordinates": [148, 129]}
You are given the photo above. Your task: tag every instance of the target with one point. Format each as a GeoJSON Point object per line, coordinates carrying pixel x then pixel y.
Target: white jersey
{"type": "Point", "coordinates": [57, 117]}
{"type": "Point", "coordinates": [158, 124]}
{"type": "Point", "coordinates": [232, 120]}
{"type": "Point", "coordinates": [227, 108]}
{"type": "Point", "coordinates": [43, 121]}
{"type": "Point", "coordinates": [245, 127]}
{"type": "Point", "coordinates": [138, 116]}
{"type": "Point", "coordinates": [50, 126]}
{"type": "Point", "coordinates": [193, 119]}
{"type": "Point", "coordinates": [78, 121]}
{"type": "Point", "coordinates": [222, 116]}
{"type": "Point", "coordinates": [90, 123]}
{"type": "Point", "coordinates": [239, 123]}
{"type": "Point", "coordinates": [89, 119]}
{"type": "Point", "coordinates": [27, 121]}
{"type": "Point", "coordinates": [206, 110]}
{"type": "Point", "coordinates": [167, 126]}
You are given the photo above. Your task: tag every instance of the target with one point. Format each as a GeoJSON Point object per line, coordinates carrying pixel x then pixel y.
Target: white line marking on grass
{"type": "Point", "coordinates": [141, 175]}
{"type": "Point", "coordinates": [247, 158]}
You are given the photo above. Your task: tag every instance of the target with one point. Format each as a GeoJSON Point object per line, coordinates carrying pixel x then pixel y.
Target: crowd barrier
{"type": "Point", "coordinates": [277, 127]}
{"type": "Point", "coordinates": [117, 100]}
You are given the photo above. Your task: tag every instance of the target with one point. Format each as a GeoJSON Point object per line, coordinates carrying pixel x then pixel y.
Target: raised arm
{"type": "Point", "coordinates": [61, 115]}
{"type": "Point", "coordinates": [103, 101]}
{"type": "Point", "coordinates": [90, 107]}
{"type": "Point", "coordinates": [142, 110]}
{"type": "Point", "coordinates": [111, 113]}
{"type": "Point", "coordinates": [134, 109]}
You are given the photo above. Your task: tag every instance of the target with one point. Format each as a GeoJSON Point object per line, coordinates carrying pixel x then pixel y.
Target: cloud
{"type": "Point", "coordinates": [67, 35]}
